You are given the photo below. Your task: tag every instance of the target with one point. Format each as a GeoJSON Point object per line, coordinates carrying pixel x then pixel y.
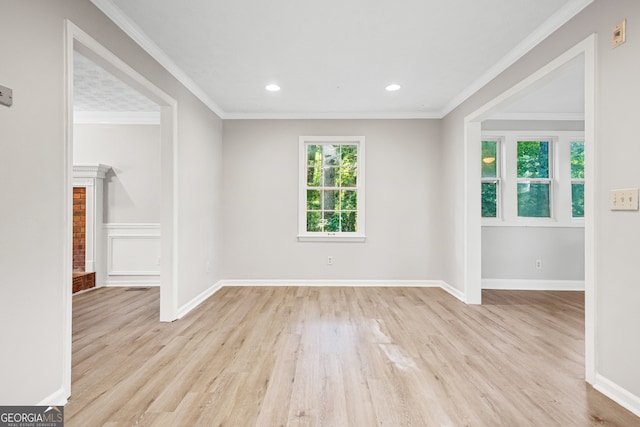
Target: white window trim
{"type": "Point", "coordinates": [560, 176]}
{"type": "Point", "coordinates": [303, 234]}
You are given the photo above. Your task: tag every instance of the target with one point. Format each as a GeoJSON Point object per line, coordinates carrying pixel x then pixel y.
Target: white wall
{"type": "Point", "coordinates": [618, 289]}
{"type": "Point", "coordinates": [403, 214]}
{"type": "Point", "coordinates": [511, 253]}
{"type": "Point", "coordinates": [33, 153]}
{"type": "Point", "coordinates": [132, 187]}
{"type": "Point", "coordinates": [131, 198]}
{"type": "Point", "coordinates": [533, 125]}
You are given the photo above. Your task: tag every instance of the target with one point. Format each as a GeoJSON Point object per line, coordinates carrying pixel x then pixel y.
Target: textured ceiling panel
{"type": "Point", "coordinates": [96, 90]}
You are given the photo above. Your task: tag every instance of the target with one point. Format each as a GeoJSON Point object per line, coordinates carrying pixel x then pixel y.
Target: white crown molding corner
{"type": "Point", "coordinates": [140, 37]}
{"type": "Point", "coordinates": [202, 297]}
{"type": "Point", "coordinates": [554, 22]}
{"type": "Point", "coordinates": [618, 394]}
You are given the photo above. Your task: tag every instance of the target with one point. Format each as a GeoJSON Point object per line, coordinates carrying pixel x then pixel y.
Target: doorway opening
{"type": "Point", "coordinates": [472, 146]}
{"type": "Point", "coordinates": [77, 40]}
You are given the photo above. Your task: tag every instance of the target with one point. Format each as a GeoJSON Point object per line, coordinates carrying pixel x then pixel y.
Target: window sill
{"type": "Point", "coordinates": [356, 238]}
{"type": "Point", "coordinates": [548, 223]}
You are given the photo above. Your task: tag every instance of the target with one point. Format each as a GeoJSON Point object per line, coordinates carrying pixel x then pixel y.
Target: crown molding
{"type": "Point", "coordinates": [141, 38]}
{"type": "Point", "coordinates": [98, 171]}
{"type": "Point", "coordinates": [556, 21]}
{"type": "Point", "coordinates": [538, 116]}
{"type": "Point", "coordinates": [332, 116]}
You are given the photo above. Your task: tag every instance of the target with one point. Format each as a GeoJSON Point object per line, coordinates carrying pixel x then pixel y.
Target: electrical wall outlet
{"type": "Point", "coordinates": [624, 199]}
{"type": "Point", "coordinates": [538, 263]}
{"type": "Point", "coordinates": [329, 260]}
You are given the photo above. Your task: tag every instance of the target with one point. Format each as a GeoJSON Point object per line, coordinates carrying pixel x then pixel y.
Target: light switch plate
{"type": "Point", "coordinates": [6, 96]}
{"type": "Point", "coordinates": [624, 200]}
{"type": "Point", "coordinates": [619, 33]}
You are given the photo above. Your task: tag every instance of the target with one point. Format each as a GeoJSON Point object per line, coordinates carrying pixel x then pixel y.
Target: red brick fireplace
{"type": "Point", "coordinates": [81, 279]}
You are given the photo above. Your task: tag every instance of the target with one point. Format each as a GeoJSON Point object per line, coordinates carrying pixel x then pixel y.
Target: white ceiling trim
{"type": "Point", "coordinates": [140, 37]}
{"type": "Point", "coordinates": [330, 116]}
{"type": "Point", "coordinates": [552, 24]}
{"type": "Point", "coordinates": [556, 21]}
{"type": "Point", "coordinates": [116, 117]}
{"type": "Point", "coordinates": [537, 116]}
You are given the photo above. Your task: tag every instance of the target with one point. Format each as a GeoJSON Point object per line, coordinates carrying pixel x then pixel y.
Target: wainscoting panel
{"type": "Point", "coordinates": [133, 254]}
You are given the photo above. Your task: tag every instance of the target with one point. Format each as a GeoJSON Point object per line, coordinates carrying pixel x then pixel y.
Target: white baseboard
{"type": "Point", "coordinates": [84, 291]}
{"type": "Point", "coordinates": [346, 283]}
{"type": "Point", "coordinates": [620, 395]}
{"type": "Point", "coordinates": [131, 283]}
{"type": "Point", "coordinates": [533, 285]}
{"type": "Point", "coordinates": [182, 311]}
{"type": "Point", "coordinates": [58, 398]}
{"type": "Point", "coordinates": [453, 291]}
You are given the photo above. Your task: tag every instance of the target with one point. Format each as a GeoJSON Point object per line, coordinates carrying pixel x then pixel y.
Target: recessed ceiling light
{"type": "Point", "coordinates": [272, 87]}
{"type": "Point", "coordinates": [392, 87]}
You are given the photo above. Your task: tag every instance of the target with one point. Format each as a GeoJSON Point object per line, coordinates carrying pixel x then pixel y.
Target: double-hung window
{"type": "Point", "coordinates": [577, 178]}
{"type": "Point", "coordinates": [331, 205]}
{"type": "Point", "coordinates": [534, 179]}
{"type": "Point", "coordinates": [491, 178]}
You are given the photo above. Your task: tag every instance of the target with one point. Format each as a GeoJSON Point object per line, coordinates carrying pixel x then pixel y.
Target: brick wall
{"type": "Point", "coordinates": [79, 227]}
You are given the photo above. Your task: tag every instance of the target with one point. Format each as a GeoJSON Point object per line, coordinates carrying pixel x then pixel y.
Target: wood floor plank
{"type": "Point", "coordinates": [311, 356]}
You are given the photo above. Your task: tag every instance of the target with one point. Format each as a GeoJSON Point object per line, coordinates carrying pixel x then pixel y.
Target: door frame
{"type": "Point", "coordinates": [472, 221]}
{"type": "Point", "coordinates": [77, 39]}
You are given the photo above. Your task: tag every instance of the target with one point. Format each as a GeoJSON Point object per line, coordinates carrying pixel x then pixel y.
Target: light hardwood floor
{"type": "Point", "coordinates": [334, 357]}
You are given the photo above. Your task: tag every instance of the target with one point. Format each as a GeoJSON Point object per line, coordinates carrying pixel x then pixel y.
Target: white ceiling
{"type": "Point", "coordinates": [334, 58]}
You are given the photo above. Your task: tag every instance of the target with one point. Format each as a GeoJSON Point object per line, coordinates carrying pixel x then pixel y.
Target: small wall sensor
{"type": "Point", "coordinates": [6, 96]}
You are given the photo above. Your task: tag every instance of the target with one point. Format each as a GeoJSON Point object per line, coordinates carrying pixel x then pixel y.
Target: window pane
{"type": "Point", "coordinates": [313, 200]}
{"type": "Point", "coordinates": [331, 178]}
{"type": "Point", "coordinates": [314, 155]}
{"type": "Point", "coordinates": [349, 154]}
{"type": "Point", "coordinates": [577, 160]}
{"type": "Point", "coordinates": [331, 200]}
{"type": "Point", "coordinates": [314, 221]}
{"type": "Point", "coordinates": [331, 221]}
{"type": "Point", "coordinates": [348, 221]}
{"type": "Point", "coordinates": [349, 200]}
{"type": "Point", "coordinates": [330, 154]}
{"type": "Point", "coordinates": [533, 159]}
{"type": "Point", "coordinates": [489, 199]}
{"type": "Point", "coordinates": [314, 176]}
{"type": "Point", "coordinates": [489, 159]}
{"type": "Point", "coordinates": [348, 175]}
{"type": "Point", "coordinates": [577, 200]}
{"type": "Point", "coordinates": [533, 200]}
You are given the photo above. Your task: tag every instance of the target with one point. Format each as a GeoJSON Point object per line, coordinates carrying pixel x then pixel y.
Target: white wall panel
{"type": "Point", "coordinates": [133, 254]}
